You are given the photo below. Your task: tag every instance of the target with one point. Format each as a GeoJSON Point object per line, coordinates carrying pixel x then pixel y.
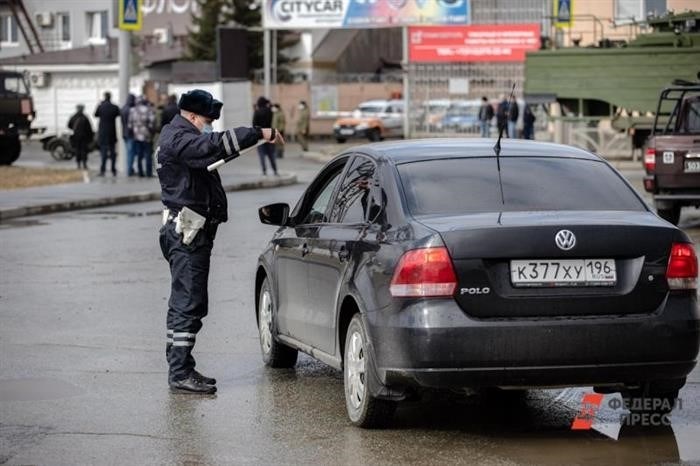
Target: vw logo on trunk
{"type": "Point", "coordinates": [565, 240]}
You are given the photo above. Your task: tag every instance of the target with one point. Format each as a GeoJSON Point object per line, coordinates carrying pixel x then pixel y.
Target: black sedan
{"type": "Point", "coordinates": [431, 264]}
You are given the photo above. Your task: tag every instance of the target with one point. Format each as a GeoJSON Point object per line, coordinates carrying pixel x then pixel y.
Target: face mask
{"type": "Point", "coordinates": [207, 129]}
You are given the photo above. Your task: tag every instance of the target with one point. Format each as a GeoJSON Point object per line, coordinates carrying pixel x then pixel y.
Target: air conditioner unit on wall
{"type": "Point", "coordinates": [39, 79]}
{"type": "Point", "coordinates": [44, 19]}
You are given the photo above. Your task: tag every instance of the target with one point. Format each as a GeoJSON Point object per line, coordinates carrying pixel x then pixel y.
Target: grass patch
{"type": "Point", "coordinates": [25, 177]}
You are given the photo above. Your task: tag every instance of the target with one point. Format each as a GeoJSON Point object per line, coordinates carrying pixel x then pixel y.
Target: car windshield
{"type": "Point", "coordinates": [373, 109]}
{"type": "Point", "coordinates": [469, 185]}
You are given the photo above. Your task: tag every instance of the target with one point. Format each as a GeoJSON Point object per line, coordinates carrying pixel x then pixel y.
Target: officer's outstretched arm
{"type": "Point", "coordinates": [206, 149]}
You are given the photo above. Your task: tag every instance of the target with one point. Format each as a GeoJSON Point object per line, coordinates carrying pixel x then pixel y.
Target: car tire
{"type": "Point", "coordinates": [373, 135]}
{"type": "Point", "coordinates": [671, 215]}
{"type": "Point", "coordinates": [60, 152]}
{"type": "Point", "coordinates": [274, 353]}
{"type": "Point", "coordinates": [340, 140]}
{"type": "Point", "coordinates": [364, 410]}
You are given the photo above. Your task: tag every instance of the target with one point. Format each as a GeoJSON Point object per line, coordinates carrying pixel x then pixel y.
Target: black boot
{"type": "Point", "coordinates": [191, 385]}
{"type": "Point", "coordinates": [203, 378]}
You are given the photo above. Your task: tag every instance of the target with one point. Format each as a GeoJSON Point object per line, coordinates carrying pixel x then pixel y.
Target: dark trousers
{"type": "Point", "coordinates": [189, 271]}
{"type": "Point", "coordinates": [81, 153]}
{"type": "Point", "coordinates": [143, 150]}
{"type": "Point", "coordinates": [267, 150]}
{"type": "Point", "coordinates": [108, 152]}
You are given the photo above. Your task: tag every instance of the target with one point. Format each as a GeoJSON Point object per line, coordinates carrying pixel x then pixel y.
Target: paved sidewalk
{"type": "Point", "coordinates": [238, 175]}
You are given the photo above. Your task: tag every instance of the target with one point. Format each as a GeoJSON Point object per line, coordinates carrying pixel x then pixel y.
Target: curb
{"type": "Point", "coordinates": [318, 157]}
{"type": "Point", "coordinates": [66, 206]}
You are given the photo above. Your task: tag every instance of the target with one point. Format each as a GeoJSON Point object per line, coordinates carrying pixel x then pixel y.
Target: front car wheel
{"type": "Point", "coordinates": [274, 353]}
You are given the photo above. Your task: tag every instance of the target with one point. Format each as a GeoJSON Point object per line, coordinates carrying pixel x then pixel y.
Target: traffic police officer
{"type": "Point", "coordinates": [195, 204]}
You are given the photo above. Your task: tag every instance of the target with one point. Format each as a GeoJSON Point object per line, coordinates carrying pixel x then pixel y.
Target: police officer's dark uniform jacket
{"type": "Point", "coordinates": [181, 159]}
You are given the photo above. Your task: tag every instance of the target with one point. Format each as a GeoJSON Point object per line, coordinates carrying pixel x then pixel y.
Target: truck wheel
{"type": "Point", "coordinates": [374, 135]}
{"type": "Point", "coordinates": [10, 148]}
{"type": "Point", "coordinates": [364, 410]}
{"type": "Point", "coordinates": [671, 215]}
{"type": "Point", "coordinates": [274, 353]}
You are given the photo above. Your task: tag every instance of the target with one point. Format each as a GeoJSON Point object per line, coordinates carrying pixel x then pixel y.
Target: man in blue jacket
{"type": "Point", "coordinates": [195, 204]}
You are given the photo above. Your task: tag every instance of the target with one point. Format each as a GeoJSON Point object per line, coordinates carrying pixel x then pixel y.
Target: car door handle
{"type": "Point", "coordinates": [343, 254]}
{"type": "Point", "coordinates": [304, 250]}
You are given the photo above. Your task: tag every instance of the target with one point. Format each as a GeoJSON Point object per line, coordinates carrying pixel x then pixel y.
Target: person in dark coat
{"type": "Point", "coordinates": [108, 113]}
{"type": "Point", "coordinates": [528, 123]}
{"type": "Point", "coordinates": [513, 112]}
{"type": "Point", "coordinates": [502, 115]}
{"type": "Point", "coordinates": [195, 204]}
{"type": "Point", "coordinates": [128, 134]}
{"type": "Point", "coordinates": [82, 136]}
{"type": "Point", "coordinates": [169, 111]}
{"type": "Point", "coordinates": [262, 117]}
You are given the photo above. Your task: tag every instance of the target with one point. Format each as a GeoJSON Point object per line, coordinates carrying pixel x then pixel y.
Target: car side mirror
{"type": "Point", "coordinates": [274, 214]}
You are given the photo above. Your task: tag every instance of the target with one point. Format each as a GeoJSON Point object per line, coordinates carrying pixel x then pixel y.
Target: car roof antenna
{"type": "Point", "coordinates": [497, 147]}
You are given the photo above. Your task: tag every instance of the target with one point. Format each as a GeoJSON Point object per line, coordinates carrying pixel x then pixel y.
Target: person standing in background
{"type": "Point", "coordinates": [262, 118]}
{"type": "Point", "coordinates": [128, 134]}
{"type": "Point", "coordinates": [528, 123]}
{"type": "Point", "coordinates": [303, 123]}
{"type": "Point", "coordinates": [142, 121]}
{"type": "Point", "coordinates": [279, 122]}
{"type": "Point", "coordinates": [108, 113]}
{"type": "Point", "coordinates": [513, 112]}
{"type": "Point", "coordinates": [485, 117]}
{"type": "Point", "coordinates": [82, 135]}
{"type": "Point", "coordinates": [169, 111]}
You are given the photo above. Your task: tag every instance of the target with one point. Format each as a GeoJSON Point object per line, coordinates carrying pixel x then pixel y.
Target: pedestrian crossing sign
{"type": "Point", "coordinates": [563, 14]}
{"type": "Point", "coordinates": [130, 17]}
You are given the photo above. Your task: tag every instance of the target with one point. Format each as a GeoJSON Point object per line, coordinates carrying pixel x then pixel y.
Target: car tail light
{"type": "Point", "coordinates": [650, 160]}
{"type": "Point", "coordinates": [423, 273]}
{"type": "Point", "coordinates": [682, 270]}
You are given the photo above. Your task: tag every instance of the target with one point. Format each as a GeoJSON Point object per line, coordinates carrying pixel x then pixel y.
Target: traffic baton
{"type": "Point", "coordinates": [226, 160]}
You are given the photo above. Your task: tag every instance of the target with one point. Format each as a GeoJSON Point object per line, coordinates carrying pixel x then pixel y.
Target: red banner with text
{"type": "Point", "coordinates": [476, 43]}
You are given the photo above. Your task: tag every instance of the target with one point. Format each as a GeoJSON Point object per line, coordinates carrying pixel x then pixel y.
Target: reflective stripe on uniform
{"type": "Point", "coordinates": [183, 343]}
{"type": "Point", "coordinates": [235, 140]}
{"type": "Point", "coordinates": [227, 144]}
{"type": "Point", "coordinates": [184, 335]}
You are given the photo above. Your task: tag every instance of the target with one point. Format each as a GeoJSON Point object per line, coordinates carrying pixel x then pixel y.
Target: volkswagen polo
{"type": "Point", "coordinates": [435, 264]}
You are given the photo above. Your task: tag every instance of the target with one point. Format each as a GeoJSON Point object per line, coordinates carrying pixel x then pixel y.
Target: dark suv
{"type": "Point", "coordinates": [672, 159]}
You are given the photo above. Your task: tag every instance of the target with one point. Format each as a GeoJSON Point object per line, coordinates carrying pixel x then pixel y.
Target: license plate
{"type": "Point", "coordinates": [347, 132]}
{"type": "Point", "coordinates": [570, 272]}
{"type": "Point", "coordinates": [692, 166]}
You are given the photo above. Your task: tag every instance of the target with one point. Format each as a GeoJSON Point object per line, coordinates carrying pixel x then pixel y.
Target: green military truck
{"type": "Point", "coordinates": [16, 114]}
{"type": "Point", "coordinates": [617, 80]}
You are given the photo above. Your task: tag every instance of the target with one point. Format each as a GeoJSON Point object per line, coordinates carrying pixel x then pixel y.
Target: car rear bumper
{"type": "Point", "coordinates": [433, 343]}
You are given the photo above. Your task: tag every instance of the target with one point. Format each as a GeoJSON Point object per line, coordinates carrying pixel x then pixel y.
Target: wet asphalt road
{"type": "Point", "coordinates": [83, 374]}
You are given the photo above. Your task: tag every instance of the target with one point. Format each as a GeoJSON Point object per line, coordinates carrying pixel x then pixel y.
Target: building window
{"type": "Point", "coordinates": [97, 27]}
{"type": "Point", "coordinates": [8, 30]}
{"type": "Point", "coordinates": [63, 23]}
{"type": "Point", "coordinates": [628, 11]}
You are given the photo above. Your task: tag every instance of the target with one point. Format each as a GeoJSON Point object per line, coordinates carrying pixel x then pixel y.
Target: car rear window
{"type": "Point", "coordinates": [464, 185]}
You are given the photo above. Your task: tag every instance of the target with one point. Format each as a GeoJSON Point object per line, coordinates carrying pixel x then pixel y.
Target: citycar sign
{"type": "Point", "coordinates": [309, 14]}
{"type": "Point", "coordinates": [477, 43]}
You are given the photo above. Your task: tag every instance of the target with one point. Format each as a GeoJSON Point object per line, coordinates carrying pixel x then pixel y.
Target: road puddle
{"type": "Point", "coordinates": [36, 389]}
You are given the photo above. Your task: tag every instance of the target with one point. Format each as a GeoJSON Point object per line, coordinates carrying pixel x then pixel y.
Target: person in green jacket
{"type": "Point", "coordinates": [279, 122]}
{"type": "Point", "coordinates": [303, 126]}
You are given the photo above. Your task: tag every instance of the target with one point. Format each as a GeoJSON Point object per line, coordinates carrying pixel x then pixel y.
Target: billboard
{"type": "Point", "coordinates": [477, 43]}
{"type": "Point", "coordinates": [353, 14]}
